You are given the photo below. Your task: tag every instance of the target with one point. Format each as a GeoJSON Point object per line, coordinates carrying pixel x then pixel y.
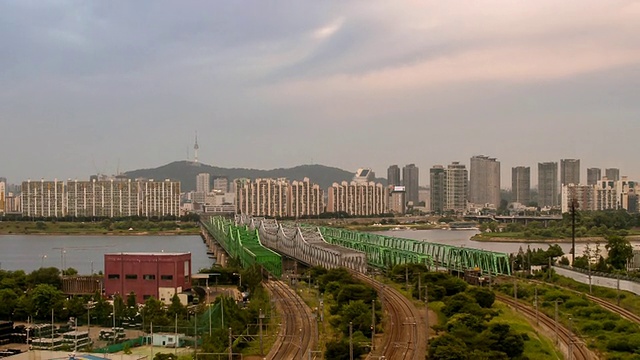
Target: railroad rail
{"type": "Point", "coordinates": [406, 336]}
{"type": "Point", "coordinates": [577, 349]}
{"type": "Point", "coordinates": [297, 337]}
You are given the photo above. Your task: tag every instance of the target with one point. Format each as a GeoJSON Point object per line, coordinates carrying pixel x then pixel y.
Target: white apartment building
{"type": "Point", "coordinates": [307, 199]}
{"type": "Point", "coordinates": [604, 195]}
{"type": "Point", "coordinates": [100, 198]}
{"type": "Point", "coordinates": [203, 183]}
{"type": "Point", "coordinates": [358, 199]}
{"type": "Point", "coordinates": [263, 197]}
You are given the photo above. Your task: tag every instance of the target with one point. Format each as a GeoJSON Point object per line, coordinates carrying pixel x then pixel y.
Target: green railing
{"type": "Point", "coordinates": [386, 251]}
{"type": "Point", "coordinates": [242, 244]}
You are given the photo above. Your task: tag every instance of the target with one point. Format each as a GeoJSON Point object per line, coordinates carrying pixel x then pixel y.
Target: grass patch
{"type": "Point", "coordinates": [538, 347]}
{"type": "Point", "coordinates": [99, 228]}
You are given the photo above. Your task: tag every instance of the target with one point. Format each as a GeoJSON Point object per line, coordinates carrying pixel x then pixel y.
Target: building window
{"type": "Point", "coordinates": [149, 277]}
{"type": "Point", "coordinates": [114, 276]}
{"type": "Point", "coordinates": [145, 297]}
{"type": "Point", "coordinates": [131, 276]}
{"type": "Point", "coordinates": [166, 277]}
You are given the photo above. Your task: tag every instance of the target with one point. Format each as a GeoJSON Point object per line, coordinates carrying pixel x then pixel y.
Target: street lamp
{"type": "Point", "coordinates": [42, 261]}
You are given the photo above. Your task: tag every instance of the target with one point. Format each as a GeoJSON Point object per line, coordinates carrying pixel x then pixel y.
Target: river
{"type": "Point", "coordinates": [86, 253]}
{"type": "Point", "coordinates": [462, 238]}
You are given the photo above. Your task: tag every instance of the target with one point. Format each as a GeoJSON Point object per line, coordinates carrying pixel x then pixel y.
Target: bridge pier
{"type": "Point", "coordinates": [214, 248]}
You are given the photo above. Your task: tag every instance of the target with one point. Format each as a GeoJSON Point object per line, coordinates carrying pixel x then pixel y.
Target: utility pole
{"type": "Point", "coordinates": [195, 331]}
{"type": "Point", "coordinates": [618, 288]}
{"type": "Point", "coordinates": [426, 301]}
{"type": "Point", "coordinates": [230, 346]}
{"type": "Point", "coordinates": [406, 276]}
{"type": "Point", "coordinates": [176, 334]}
{"type": "Point", "coordinates": [260, 322]}
{"type": "Point", "coordinates": [373, 324]}
{"type": "Point", "coordinates": [535, 297]}
{"type": "Point", "coordinates": [515, 291]}
{"type": "Point", "coordinates": [573, 227]}
{"type": "Point", "coordinates": [350, 340]}
{"type": "Point", "coordinates": [419, 287]}
{"type": "Point", "coordinates": [556, 322]}
{"type": "Point", "coordinates": [151, 329]}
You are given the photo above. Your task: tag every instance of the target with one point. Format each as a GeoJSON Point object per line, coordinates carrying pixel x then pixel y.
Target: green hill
{"type": "Point", "coordinates": [186, 172]}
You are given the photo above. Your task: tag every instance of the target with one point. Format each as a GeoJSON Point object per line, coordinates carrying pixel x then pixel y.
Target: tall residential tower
{"type": "Point", "coordinates": [410, 180]}
{"type": "Point", "coordinates": [569, 171]}
{"type": "Point", "coordinates": [521, 184]}
{"type": "Point", "coordinates": [548, 192]}
{"type": "Point", "coordinates": [484, 181]}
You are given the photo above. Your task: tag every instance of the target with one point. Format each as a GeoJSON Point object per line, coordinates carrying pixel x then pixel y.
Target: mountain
{"type": "Point", "coordinates": [186, 172]}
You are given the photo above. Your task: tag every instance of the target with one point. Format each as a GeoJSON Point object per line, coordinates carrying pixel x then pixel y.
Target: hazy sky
{"type": "Point", "coordinates": [88, 85]}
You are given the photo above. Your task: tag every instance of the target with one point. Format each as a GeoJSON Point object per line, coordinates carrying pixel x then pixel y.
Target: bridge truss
{"type": "Point", "coordinates": [386, 251]}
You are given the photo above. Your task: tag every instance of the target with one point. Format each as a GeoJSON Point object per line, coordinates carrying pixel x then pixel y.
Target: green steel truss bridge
{"type": "Point", "coordinates": [386, 251]}
{"type": "Point", "coordinates": [258, 241]}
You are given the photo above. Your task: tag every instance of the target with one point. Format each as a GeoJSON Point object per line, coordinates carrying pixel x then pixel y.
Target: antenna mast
{"type": "Point", "coordinates": [195, 149]}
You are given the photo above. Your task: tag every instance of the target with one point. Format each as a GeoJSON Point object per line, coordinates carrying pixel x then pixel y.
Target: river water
{"type": "Point", "coordinates": [86, 253]}
{"type": "Point", "coordinates": [462, 238]}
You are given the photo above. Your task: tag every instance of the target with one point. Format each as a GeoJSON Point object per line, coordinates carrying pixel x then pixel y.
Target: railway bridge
{"type": "Point", "coordinates": [262, 241]}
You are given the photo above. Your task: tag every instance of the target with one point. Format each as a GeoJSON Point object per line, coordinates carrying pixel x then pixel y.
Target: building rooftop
{"type": "Point", "coordinates": [150, 253]}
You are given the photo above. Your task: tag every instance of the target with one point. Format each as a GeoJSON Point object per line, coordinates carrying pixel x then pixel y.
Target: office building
{"type": "Point", "coordinates": [411, 182]}
{"type": "Point", "coordinates": [521, 184]}
{"type": "Point", "coordinates": [161, 275]}
{"type": "Point", "coordinates": [307, 199]}
{"type": "Point", "coordinates": [358, 199]}
{"type": "Point", "coordinates": [582, 194]}
{"type": "Point", "coordinates": [612, 174]}
{"type": "Point", "coordinates": [456, 187]}
{"type": "Point", "coordinates": [437, 185]}
{"type": "Point", "coordinates": [424, 196]}
{"type": "Point", "coordinates": [3, 197]}
{"type": "Point", "coordinates": [263, 197]}
{"type": "Point", "coordinates": [397, 199]}
{"type": "Point", "coordinates": [548, 184]}
{"type": "Point", "coordinates": [569, 171]}
{"type": "Point", "coordinates": [393, 176]}
{"type": "Point", "coordinates": [593, 175]}
{"type": "Point", "coordinates": [203, 183]}
{"type": "Point", "coordinates": [484, 181]}
{"type": "Point", "coordinates": [221, 183]}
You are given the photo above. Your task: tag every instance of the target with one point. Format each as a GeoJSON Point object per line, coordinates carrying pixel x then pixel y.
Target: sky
{"type": "Point", "coordinates": [107, 86]}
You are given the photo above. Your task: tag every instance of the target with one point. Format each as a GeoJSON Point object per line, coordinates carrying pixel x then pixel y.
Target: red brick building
{"type": "Point", "coordinates": [147, 274]}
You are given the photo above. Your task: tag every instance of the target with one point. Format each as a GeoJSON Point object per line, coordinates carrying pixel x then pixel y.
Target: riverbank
{"type": "Point", "coordinates": [585, 240]}
{"type": "Point", "coordinates": [123, 228]}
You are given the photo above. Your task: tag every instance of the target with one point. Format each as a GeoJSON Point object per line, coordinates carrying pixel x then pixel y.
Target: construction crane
{"type": "Point", "coordinates": [64, 249]}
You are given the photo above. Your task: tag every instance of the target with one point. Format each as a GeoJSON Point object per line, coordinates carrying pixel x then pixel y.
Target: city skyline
{"type": "Point", "coordinates": [96, 87]}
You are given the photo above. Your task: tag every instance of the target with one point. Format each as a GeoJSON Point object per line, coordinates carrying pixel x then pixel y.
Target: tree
{"type": "Point", "coordinates": [49, 276]}
{"type": "Point", "coordinates": [176, 308]}
{"type": "Point", "coordinates": [44, 298]}
{"type": "Point", "coordinates": [484, 297]}
{"type": "Point", "coordinates": [448, 347]}
{"type": "Point", "coordinates": [9, 300]}
{"type": "Point", "coordinates": [620, 251]}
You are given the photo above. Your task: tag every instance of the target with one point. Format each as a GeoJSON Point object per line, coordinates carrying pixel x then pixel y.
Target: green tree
{"type": "Point", "coordinates": [176, 308]}
{"type": "Point", "coordinates": [448, 347]}
{"type": "Point", "coordinates": [49, 276]}
{"type": "Point", "coordinates": [153, 312]}
{"type": "Point", "coordinates": [620, 251]}
{"type": "Point", "coordinates": [9, 300]}
{"type": "Point", "coordinates": [44, 298]}
{"type": "Point", "coordinates": [484, 297]}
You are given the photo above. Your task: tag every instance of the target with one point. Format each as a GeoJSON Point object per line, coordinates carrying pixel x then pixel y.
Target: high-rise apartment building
{"type": "Point", "coordinates": [263, 197]}
{"type": "Point", "coordinates": [100, 198]}
{"type": "Point", "coordinates": [358, 199]}
{"type": "Point", "coordinates": [521, 184]}
{"type": "Point", "coordinates": [43, 198]}
{"type": "Point", "coordinates": [548, 184]}
{"type": "Point", "coordinates": [221, 183]}
{"type": "Point", "coordinates": [411, 182]}
{"type": "Point", "coordinates": [437, 185]}
{"type": "Point", "coordinates": [569, 171]}
{"type": "Point", "coordinates": [582, 194]}
{"type": "Point", "coordinates": [593, 175]}
{"type": "Point", "coordinates": [364, 175]}
{"type": "Point", "coordinates": [203, 183]}
{"type": "Point", "coordinates": [393, 176]}
{"type": "Point", "coordinates": [456, 187]}
{"type": "Point", "coordinates": [484, 181]}
{"type": "Point", "coordinates": [3, 197]}
{"type": "Point", "coordinates": [397, 199]}
{"type": "Point", "coordinates": [612, 174]}
{"type": "Point", "coordinates": [307, 199]}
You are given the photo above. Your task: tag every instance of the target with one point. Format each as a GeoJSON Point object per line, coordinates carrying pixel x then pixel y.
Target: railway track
{"type": "Point", "coordinates": [405, 335]}
{"type": "Point", "coordinates": [298, 331]}
{"type": "Point", "coordinates": [627, 314]}
{"type": "Point", "coordinates": [572, 345]}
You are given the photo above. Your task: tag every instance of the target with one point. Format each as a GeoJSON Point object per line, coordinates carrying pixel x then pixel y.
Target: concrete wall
{"type": "Point", "coordinates": [627, 285]}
